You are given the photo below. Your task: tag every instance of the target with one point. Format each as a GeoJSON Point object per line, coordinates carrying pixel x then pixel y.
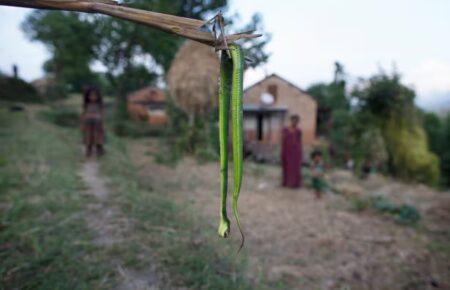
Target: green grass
{"type": "Point", "coordinates": [62, 116]}
{"type": "Point", "coordinates": [44, 241]}
{"type": "Point", "coordinates": [138, 129]}
{"type": "Point", "coordinates": [178, 239]}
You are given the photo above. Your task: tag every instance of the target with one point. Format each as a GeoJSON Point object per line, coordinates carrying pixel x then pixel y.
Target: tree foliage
{"type": "Point", "coordinates": [77, 40]}
{"type": "Point", "coordinates": [334, 115]}
{"type": "Point", "coordinates": [70, 39]}
{"type": "Point", "coordinates": [389, 105]}
{"type": "Point", "coordinates": [132, 54]}
{"type": "Point", "coordinates": [380, 124]}
{"type": "Point", "coordinates": [434, 127]}
{"type": "Point", "coordinates": [384, 97]}
{"type": "Point", "coordinates": [445, 153]}
{"type": "Point", "coordinates": [438, 133]}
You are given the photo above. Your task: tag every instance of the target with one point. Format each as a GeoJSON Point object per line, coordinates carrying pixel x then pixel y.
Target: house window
{"type": "Point", "coordinates": [156, 108]}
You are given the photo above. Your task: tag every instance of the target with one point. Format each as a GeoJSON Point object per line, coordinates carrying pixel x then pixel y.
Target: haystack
{"type": "Point", "coordinates": [193, 78]}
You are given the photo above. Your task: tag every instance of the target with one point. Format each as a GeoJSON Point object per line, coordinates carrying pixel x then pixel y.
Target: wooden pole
{"type": "Point", "coordinates": [181, 26]}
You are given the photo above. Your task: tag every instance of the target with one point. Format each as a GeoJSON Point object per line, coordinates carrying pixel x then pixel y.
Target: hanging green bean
{"type": "Point", "coordinates": [231, 83]}
{"type": "Point", "coordinates": [226, 69]}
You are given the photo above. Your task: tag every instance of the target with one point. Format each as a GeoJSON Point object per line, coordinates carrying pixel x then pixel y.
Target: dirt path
{"type": "Point", "coordinates": [112, 227]}
{"type": "Point", "coordinates": [303, 243]}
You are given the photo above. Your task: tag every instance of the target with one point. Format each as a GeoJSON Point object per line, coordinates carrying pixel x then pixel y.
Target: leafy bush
{"type": "Point", "coordinates": [167, 155]}
{"type": "Point", "coordinates": [184, 135]}
{"type": "Point", "coordinates": [384, 205]}
{"type": "Point", "coordinates": [409, 154]}
{"type": "Point", "coordinates": [64, 117]}
{"type": "Point", "coordinates": [17, 90]}
{"type": "Point", "coordinates": [137, 129]}
{"type": "Point", "coordinates": [359, 204]}
{"type": "Point", "coordinates": [54, 92]}
{"type": "Point", "coordinates": [438, 135]}
{"type": "Point", "coordinates": [405, 214]}
{"type": "Point", "coordinates": [388, 105]}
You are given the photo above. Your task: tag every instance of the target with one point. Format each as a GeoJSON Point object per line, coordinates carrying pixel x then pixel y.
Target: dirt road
{"type": "Point", "coordinates": [112, 227]}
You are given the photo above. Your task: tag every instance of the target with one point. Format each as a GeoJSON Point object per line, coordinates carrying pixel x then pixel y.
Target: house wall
{"type": "Point", "coordinates": [272, 126]}
{"type": "Point", "coordinates": [147, 104]}
{"type": "Point", "coordinates": [291, 97]}
{"type": "Point", "coordinates": [137, 111]}
{"type": "Point", "coordinates": [250, 123]}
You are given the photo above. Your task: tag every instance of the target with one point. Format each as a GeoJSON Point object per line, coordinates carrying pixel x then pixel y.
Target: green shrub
{"type": "Point", "coordinates": [384, 205]}
{"type": "Point", "coordinates": [137, 129]}
{"type": "Point", "coordinates": [55, 92]}
{"type": "Point", "coordinates": [206, 154]}
{"type": "Point", "coordinates": [193, 135]}
{"type": "Point", "coordinates": [167, 155]}
{"type": "Point", "coordinates": [17, 90]}
{"type": "Point", "coordinates": [438, 133]}
{"type": "Point", "coordinates": [405, 214]}
{"type": "Point", "coordinates": [410, 157]}
{"type": "Point", "coordinates": [63, 117]}
{"type": "Point", "coordinates": [359, 204]}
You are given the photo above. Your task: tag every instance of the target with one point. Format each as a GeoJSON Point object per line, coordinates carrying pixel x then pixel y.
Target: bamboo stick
{"type": "Point", "coordinates": [181, 26]}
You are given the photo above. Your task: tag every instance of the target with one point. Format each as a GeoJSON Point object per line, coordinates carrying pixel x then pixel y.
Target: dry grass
{"type": "Point", "coordinates": [44, 240]}
{"type": "Point", "coordinates": [297, 242]}
{"type": "Point", "coordinates": [193, 78]}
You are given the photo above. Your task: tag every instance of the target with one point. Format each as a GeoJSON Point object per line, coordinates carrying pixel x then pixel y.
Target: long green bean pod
{"type": "Point", "coordinates": [237, 94]}
{"type": "Point", "coordinates": [231, 88]}
{"type": "Point", "coordinates": [226, 69]}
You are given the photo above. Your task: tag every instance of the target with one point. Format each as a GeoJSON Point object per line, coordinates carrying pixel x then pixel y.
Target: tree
{"type": "Point", "coordinates": [438, 135]}
{"type": "Point", "coordinates": [76, 40]}
{"type": "Point", "coordinates": [390, 106]}
{"type": "Point", "coordinates": [334, 118]}
{"type": "Point", "coordinates": [124, 46]}
{"type": "Point", "coordinates": [254, 47]}
{"type": "Point", "coordinates": [434, 127]}
{"type": "Point", "coordinates": [69, 38]}
{"type": "Point", "coordinates": [445, 153]}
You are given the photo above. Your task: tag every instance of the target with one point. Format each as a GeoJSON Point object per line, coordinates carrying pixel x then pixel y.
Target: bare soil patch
{"type": "Point", "coordinates": [112, 228]}
{"type": "Point", "coordinates": [298, 242]}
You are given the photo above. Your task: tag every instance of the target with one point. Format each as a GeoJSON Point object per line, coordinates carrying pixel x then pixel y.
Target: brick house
{"type": "Point", "coordinates": [267, 107]}
{"type": "Point", "coordinates": [148, 104]}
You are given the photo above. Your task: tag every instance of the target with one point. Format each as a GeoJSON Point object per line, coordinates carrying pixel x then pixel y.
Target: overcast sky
{"type": "Point", "coordinates": [308, 36]}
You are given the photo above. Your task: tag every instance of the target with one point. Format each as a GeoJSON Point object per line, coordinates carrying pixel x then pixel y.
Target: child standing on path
{"type": "Point", "coordinates": [92, 121]}
{"type": "Point", "coordinates": [317, 172]}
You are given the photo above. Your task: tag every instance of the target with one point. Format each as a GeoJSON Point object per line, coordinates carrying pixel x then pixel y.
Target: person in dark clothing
{"type": "Point", "coordinates": [291, 154]}
{"type": "Point", "coordinates": [92, 121]}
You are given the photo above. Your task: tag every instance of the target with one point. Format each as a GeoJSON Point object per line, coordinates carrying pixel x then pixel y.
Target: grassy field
{"type": "Point", "coordinates": [174, 235]}
{"type": "Point", "coordinates": [44, 241]}
{"type": "Point", "coordinates": [156, 224]}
